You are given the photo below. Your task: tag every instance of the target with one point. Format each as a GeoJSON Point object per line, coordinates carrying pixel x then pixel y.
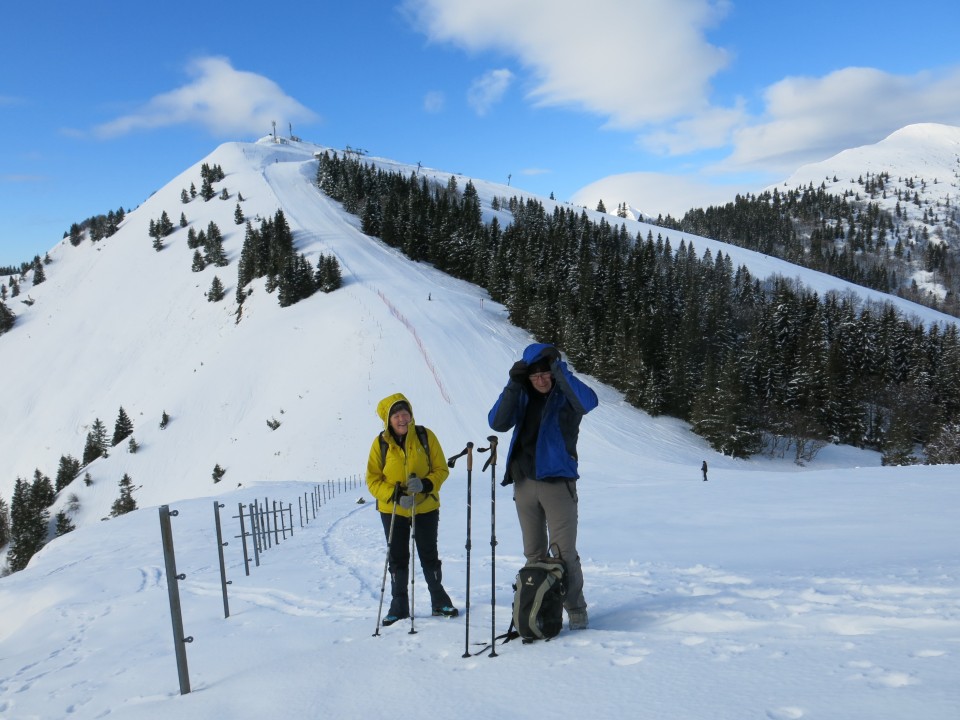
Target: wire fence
{"type": "Point", "coordinates": [264, 523]}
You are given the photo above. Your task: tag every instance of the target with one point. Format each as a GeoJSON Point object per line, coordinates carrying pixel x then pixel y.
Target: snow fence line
{"type": "Point", "coordinates": [423, 351]}
{"type": "Point", "coordinates": [269, 523]}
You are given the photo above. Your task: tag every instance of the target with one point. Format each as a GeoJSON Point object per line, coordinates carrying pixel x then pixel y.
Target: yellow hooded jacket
{"type": "Point", "coordinates": [402, 462]}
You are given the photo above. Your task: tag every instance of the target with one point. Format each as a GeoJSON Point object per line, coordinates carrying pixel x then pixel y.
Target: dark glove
{"type": "Point", "coordinates": [414, 485]}
{"type": "Point", "coordinates": [519, 371]}
{"type": "Point", "coordinates": [406, 502]}
{"type": "Point", "coordinates": [398, 492]}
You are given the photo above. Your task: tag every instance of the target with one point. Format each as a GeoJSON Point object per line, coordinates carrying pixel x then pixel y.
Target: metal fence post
{"type": "Point", "coordinates": [276, 528]}
{"type": "Point", "coordinates": [265, 521]}
{"type": "Point", "coordinates": [243, 537]}
{"type": "Point", "coordinates": [223, 568]}
{"type": "Point", "coordinates": [255, 529]}
{"type": "Point", "coordinates": [173, 590]}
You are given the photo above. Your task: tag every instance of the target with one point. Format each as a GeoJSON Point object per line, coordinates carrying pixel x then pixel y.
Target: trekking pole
{"type": "Point", "coordinates": [468, 451]}
{"type": "Point", "coordinates": [413, 564]}
{"type": "Point", "coordinates": [383, 583]}
{"type": "Point", "coordinates": [492, 463]}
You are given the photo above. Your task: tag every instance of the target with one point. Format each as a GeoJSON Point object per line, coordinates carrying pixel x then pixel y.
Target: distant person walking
{"type": "Point", "coordinates": [703, 469]}
{"type": "Point", "coordinates": [544, 402]}
{"type": "Point", "coordinates": [406, 469]}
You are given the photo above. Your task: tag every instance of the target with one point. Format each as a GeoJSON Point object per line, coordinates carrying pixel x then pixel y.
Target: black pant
{"type": "Point", "coordinates": [425, 530]}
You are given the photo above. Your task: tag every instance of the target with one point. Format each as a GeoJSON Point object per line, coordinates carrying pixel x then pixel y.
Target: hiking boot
{"type": "Point", "coordinates": [577, 619]}
{"type": "Point", "coordinates": [446, 611]}
{"type": "Point", "coordinates": [391, 619]}
{"type": "Point", "coordinates": [399, 609]}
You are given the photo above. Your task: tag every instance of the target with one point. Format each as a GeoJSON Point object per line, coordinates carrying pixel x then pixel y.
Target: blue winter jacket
{"type": "Point", "coordinates": [569, 400]}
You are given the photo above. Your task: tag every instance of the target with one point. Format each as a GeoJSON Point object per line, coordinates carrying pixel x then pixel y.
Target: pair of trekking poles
{"type": "Point", "coordinates": [386, 562]}
{"type": "Point", "coordinates": [492, 464]}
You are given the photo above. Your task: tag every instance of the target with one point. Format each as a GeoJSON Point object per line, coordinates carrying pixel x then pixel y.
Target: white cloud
{"type": "Point", "coordinates": [647, 66]}
{"type": "Point", "coordinates": [226, 101]}
{"type": "Point", "coordinates": [433, 102]}
{"type": "Point", "coordinates": [710, 129]}
{"type": "Point", "coordinates": [487, 90]}
{"type": "Point", "coordinates": [634, 63]}
{"type": "Point", "coordinates": [810, 119]}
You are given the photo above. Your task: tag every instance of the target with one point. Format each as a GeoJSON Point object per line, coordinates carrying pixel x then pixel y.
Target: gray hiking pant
{"type": "Point", "coordinates": [548, 516]}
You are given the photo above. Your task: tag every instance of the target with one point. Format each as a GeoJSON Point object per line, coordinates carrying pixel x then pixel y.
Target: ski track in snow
{"type": "Point", "coordinates": [305, 194]}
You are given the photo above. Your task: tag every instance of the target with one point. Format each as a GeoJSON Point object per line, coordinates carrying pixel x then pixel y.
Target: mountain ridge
{"type": "Point", "coordinates": [175, 352]}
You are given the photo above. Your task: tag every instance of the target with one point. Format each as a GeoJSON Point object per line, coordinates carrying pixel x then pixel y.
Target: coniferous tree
{"type": "Point", "coordinates": [218, 473]}
{"type": "Point", "coordinates": [164, 227]}
{"type": "Point", "coordinates": [238, 215]}
{"type": "Point", "coordinates": [247, 265]}
{"type": "Point", "coordinates": [184, 196]}
{"type": "Point", "coordinates": [39, 275]}
{"type": "Point", "coordinates": [213, 246]}
{"type": "Point", "coordinates": [96, 445]}
{"type": "Point", "coordinates": [164, 420]}
{"type": "Point", "coordinates": [122, 428]}
{"type": "Point", "coordinates": [7, 318]}
{"type": "Point", "coordinates": [4, 523]}
{"type": "Point", "coordinates": [183, 220]}
{"type": "Point", "coordinates": [64, 525]}
{"type": "Point", "coordinates": [199, 264]}
{"type": "Point", "coordinates": [944, 448]}
{"type": "Point", "coordinates": [328, 276]}
{"type": "Point", "coordinates": [125, 502]}
{"type": "Point", "coordinates": [216, 292]}
{"type": "Point", "coordinates": [133, 446]}
{"type": "Point", "coordinates": [296, 281]}
{"type": "Point", "coordinates": [28, 524]}
{"type": "Point", "coordinates": [67, 471]}
{"type": "Point", "coordinates": [206, 189]}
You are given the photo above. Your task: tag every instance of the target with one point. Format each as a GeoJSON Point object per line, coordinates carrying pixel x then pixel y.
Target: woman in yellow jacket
{"type": "Point", "coordinates": [403, 472]}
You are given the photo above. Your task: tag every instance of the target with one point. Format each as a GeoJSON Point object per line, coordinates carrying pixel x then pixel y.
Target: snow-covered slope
{"type": "Point", "coordinates": [924, 150]}
{"type": "Point", "coordinates": [119, 324]}
{"type": "Point", "coordinates": [770, 591]}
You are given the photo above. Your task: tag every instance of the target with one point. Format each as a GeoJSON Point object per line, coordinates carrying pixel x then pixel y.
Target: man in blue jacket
{"type": "Point", "coordinates": [543, 402]}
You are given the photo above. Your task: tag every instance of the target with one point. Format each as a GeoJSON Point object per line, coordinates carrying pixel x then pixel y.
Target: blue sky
{"type": "Point", "coordinates": [665, 104]}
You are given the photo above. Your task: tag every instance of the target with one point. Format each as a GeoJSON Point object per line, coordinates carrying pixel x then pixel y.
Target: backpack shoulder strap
{"type": "Point", "coordinates": [424, 440]}
{"type": "Point", "coordinates": [383, 451]}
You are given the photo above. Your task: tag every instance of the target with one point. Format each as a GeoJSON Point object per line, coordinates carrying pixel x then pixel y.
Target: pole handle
{"type": "Point", "coordinates": [451, 461]}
